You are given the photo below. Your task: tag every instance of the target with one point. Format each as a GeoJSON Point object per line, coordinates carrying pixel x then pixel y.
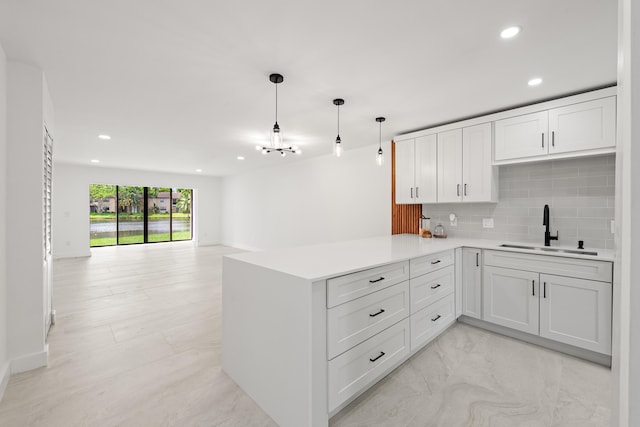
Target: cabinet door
{"type": "Point", "coordinates": [522, 136]}
{"type": "Point", "coordinates": [450, 166]}
{"type": "Point", "coordinates": [472, 282]}
{"type": "Point", "coordinates": [510, 298]}
{"type": "Point", "coordinates": [404, 163]}
{"type": "Point", "coordinates": [576, 312]}
{"type": "Point", "coordinates": [426, 184]}
{"type": "Point", "coordinates": [478, 182]}
{"type": "Point", "coordinates": [583, 126]}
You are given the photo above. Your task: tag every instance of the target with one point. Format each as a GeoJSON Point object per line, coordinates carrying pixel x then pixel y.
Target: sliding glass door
{"type": "Point", "coordinates": [181, 214]}
{"type": "Point", "coordinates": [131, 218]}
{"type": "Point", "coordinates": [102, 215]}
{"type": "Point", "coordinates": [125, 215]}
{"type": "Point", "coordinates": [159, 206]}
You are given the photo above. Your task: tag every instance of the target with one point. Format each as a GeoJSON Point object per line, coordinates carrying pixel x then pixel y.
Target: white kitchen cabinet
{"type": "Point", "coordinates": [510, 298]}
{"type": "Point", "coordinates": [415, 166]}
{"type": "Point", "coordinates": [583, 126]}
{"type": "Point", "coordinates": [472, 282]}
{"type": "Point", "coordinates": [521, 136]}
{"type": "Point", "coordinates": [450, 166]}
{"type": "Point", "coordinates": [578, 128]}
{"type": "Point", "coordinates": [520, 292]}
{"type": "Point", "coordinates": [576, 312]}
{"type": "Point", "coordinates": [431, 321]}
{"type": "Point", "coordinates": [358, 368]}
{"type": "Point", "coordinates": [465, 170]}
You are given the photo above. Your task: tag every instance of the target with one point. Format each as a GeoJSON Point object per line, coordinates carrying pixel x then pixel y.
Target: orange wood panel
{"type": "Point", "coordinates": [404, 218]}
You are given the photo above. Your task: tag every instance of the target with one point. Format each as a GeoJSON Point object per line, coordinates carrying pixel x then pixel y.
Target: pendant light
{"type": "Point", "coordinates": [380, 157]}
{"type": "Point", "coordinates": [277, 145]}
{"type": "Point", "coordinates": [337, 148]}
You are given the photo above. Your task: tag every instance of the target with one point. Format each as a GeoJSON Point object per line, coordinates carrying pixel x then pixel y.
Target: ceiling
{"type": "Point", "coordinates": [183, 85]}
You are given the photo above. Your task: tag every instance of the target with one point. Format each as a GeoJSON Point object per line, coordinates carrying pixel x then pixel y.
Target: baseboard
{"type": "Point", "coordinates": [207, 243]}
{"type": "Point", "coordinates": [5, 373]}
{"type": "Point", "coordinates": [242, 247]}
{"type": "Point", "coordinates": [72, 254]}
{"type": "Point", "coordinates": [30, 361]}
{"type": "Point", "coordinates": [601, 359]}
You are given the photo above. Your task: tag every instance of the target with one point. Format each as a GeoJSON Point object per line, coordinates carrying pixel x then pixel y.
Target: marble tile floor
{"type": "Point", "coordinates": [137, 343]}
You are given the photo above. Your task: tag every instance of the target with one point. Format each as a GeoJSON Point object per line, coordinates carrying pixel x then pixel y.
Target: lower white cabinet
{"type": "Point", "coordinates": [511, 298]}
{"type": "Point", "coordinates": [355, 321]}
{"type": "Point", "coordinates": [472, 282]}
{"type": "Point", "coordinates": [359, 367]}
{"type": "Point", "coordinates": [431, 321]}
{"type": "Point", "coordinates": [570, 310]}
{"type": "Point", "coordinates": [576, 312]}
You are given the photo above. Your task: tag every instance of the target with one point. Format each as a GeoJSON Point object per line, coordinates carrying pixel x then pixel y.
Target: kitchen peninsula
{"type": "Point", "coordinates": [306, 330]}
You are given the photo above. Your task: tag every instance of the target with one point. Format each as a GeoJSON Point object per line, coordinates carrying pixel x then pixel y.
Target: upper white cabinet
{"type": "Point", "coordinates": [415, 165]}
{"type": "Point", "coordinates": [578, 128]}
{"type": "Point", "coordinates": [521, 136]}
{"type": "Point", "coordinates": [465, 170]}
{"type": "Point", "coordinates": [584, 126]}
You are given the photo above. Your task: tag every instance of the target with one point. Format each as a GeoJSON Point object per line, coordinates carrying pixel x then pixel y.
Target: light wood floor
{"type": "Point", "coordinates": [137, 343]}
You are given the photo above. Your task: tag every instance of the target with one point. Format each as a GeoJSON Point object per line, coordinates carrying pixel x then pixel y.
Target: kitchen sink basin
{"type": "Point", "coordinates": [546, 249]}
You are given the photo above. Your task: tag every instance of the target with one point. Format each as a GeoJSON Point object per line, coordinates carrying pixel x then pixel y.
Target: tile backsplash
{"type": "Point", "coordinates": [580, 194]}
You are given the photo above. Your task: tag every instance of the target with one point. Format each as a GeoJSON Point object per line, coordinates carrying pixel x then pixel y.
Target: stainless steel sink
{"type": "Point", "coordinates": [546, 249]}
{"type": "Point", "coordinates": [531, 248]}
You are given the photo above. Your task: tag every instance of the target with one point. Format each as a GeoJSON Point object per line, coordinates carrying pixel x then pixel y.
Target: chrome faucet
{"type": "Point", "coordinates": [545, 221]}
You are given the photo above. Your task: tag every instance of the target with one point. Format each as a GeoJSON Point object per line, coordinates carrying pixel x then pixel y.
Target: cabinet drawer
{"type": "Point", "coordinates": [561, 266]}
{"type": "Point", "coordinates": [356, 369]}
{"type": "Point", "coordinates": [429, 263]}
{"type": "Point", "coordinates": [355, 285]}
{"type": "Point", "coordinates": [353, 322]}
{"type": "Point", "coordinates": [429, 322]}
{"type": "Point", "coordinates": [429, 288]}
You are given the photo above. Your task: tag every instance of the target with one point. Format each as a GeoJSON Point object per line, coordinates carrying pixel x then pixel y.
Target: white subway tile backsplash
{"type": "Point", "coordinates": [580, 194]}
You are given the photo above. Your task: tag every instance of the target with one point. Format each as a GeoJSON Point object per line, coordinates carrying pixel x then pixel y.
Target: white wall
{"type": "Point", "coordinates": [26, 100]}
{"type": "Point", "coordinates": [626, 337]}
{"type": "Point", "coordinates": [70, 209]}
{"type": "Point", "coordinates": [4, 353]}
{"type": "Point", "coordinates": [318, 200]}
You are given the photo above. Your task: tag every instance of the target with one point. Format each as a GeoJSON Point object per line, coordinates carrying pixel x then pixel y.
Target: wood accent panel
{"type": "Point", "coordinates": [404, 218]}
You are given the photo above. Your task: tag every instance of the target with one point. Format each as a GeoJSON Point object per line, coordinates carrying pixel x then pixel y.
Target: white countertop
{"type": "Point", "coordinates": [335, 259]}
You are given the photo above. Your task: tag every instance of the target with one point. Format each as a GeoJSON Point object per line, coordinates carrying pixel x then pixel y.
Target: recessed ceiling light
{"type": "Point", "coordinates": [240, 158]}
{"type": "Point", "coordinates": [95, 161]}
{"type": "Point", "coordinates": [198, 170]}
{"type": "Point", "coordinates": [104, 137]}
{"type": "Point", "coordinates": [535, 82]}
{"type": "Point", "coordinates": [507, 33]}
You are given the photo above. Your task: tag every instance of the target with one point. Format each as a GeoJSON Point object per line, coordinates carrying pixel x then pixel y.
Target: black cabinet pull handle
{"type": "Point", "coordinates": [436, 286]}
{"type": "Point", "coordinates": [553, 138]}
{"type": "Point", "coordinates": [375, 314]}
{"type": "Point", "coordinates": [377, 280]}
{"type": "Point", "coordinates": [435, 262]}
{"type": "Point", "coordinates": [465, 189]}
{"type": "Point", "coordinates": [542, 139]}
{"type": "Point", "coordinates": [435, 318]}
{"type": "Point", "coordinates": [533, 288]}
{"type": "Point", "coordinates": [412, 192]}
{"type": "Point", "coordinates": [458, 190]}
{"type": "Point", "coordinates": [377, 357]}
{"type": "Point", "coordinates": [477, 259]}
{"type": "Point", "coordinates": [544, 291]}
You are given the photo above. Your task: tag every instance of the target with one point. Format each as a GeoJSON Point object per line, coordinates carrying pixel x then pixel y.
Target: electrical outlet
{"type": "Point", "coordinates": [487, 222]}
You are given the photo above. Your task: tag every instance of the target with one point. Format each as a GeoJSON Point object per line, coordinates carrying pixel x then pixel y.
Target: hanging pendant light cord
{"type": "Point", "coordinates": [276, 103]}
{"type": "Point", "coordinates": [380, 135]}
{"type": "Point", "coordinates": [338, 119]}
